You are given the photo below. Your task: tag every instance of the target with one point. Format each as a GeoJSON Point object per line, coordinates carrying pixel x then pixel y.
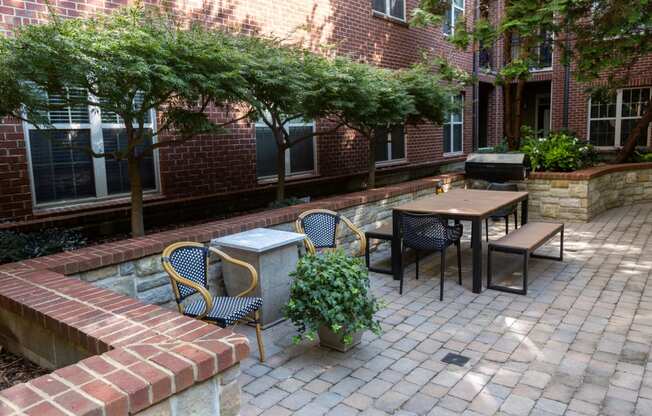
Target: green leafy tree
{"type": "Point", "coordinates": [527, 22]}
{"type": "Point", "coordinates": [607, 39]}
{"type": "Point", "coordinates": [128, 63]}
{"type": "Point", "coordinates": [378, 99]}
{"type": "Point", "coordinates": [286, 84]}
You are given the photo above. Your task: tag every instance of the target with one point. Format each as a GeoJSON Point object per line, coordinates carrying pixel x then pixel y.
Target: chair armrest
{"type": "Point", "coordinates": [252, 271]}
{"type": "Point", "coordinates": [358, 233]}
{"type": "Point", "coordinates": [208, 298]}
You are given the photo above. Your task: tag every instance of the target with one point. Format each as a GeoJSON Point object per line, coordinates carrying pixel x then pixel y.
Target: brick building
{"type": "Point", "coordinates": [39, 184]}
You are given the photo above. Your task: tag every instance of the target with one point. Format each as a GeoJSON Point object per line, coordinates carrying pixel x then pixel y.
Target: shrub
{"type": "Point", "coordinates": [331, 289]}
{"type": "Point", "coordinates": [640, 157]}
{"type": "Point", "coordinates": [16, 246]}
{"type": "Point", "coordinates": [559, 152]}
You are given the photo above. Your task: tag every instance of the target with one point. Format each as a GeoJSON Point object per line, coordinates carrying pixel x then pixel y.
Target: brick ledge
{"type": "Point", "coordinates": [590, 173]}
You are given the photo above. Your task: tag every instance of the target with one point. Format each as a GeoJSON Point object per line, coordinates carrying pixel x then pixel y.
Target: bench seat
{"type": "Point", "coordinates": [524, 241]}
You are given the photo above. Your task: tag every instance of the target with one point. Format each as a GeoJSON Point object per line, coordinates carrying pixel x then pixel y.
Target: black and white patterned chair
{"type": "Point", "coordinates": [186, 263]}
{"type": "Point", "coordinates": [322, 228]}
{"type": "Point", "coordinates": [430, 233]}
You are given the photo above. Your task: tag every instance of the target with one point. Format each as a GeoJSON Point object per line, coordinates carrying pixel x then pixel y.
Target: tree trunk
{"type": "Point", "coordinates": [371, 178]}
{"type": "Point", "coordinates": [137, 223]}
{"type": "Point", "coordinates": [518, 115]}
{"type": "Point", "coordinates": [639, 129]}
{"type": "Point", "coordinates": [280, 164]}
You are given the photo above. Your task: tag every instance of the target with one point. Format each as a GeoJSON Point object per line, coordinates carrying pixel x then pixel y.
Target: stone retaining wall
{"type": "Point", "coordinates": [582, 195]}
{"type": "Point", "coordinates": [144, 278]}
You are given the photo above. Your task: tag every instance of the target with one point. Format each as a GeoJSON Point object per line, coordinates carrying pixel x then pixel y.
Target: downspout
{"type": "Point", "coordinates": [567, 75]}
{"type": "Point", "coordinates": [476, 83]}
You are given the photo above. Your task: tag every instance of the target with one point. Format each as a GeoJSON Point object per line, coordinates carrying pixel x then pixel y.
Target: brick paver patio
{"type": "Point", "coordinates": [577, 344]}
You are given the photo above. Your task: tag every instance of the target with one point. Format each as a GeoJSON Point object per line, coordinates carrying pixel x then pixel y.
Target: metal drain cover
{"type": "Point", "coordinates": [456, 359]}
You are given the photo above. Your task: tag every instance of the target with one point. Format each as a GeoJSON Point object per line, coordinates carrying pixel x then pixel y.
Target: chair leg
{"type": "Point", "coordinates": [486, 228]}
{"type": "Point", "coordinates": [443, 272]}
{"type": "Point", "coordinates": [259, 338]}
{"type": "Point", "coordinates": [400, 285]}
{"type": "Point", "coordinates": [416, 252]}
{"type": "Point", "coordinates": [506, 224]}
{"type": "Point", "coordinates": [459, 262]}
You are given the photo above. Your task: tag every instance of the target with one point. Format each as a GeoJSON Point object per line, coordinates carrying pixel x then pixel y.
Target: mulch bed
{"type": "Point", "coordinates": [15, 369]}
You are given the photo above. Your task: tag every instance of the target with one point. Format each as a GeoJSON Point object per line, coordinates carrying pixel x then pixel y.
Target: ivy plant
{"type": "Point", "coordinates": [331, 289]}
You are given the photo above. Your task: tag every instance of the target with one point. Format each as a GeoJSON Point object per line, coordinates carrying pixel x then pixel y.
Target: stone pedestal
{"type": "Point", "coordinates": [274, 255]}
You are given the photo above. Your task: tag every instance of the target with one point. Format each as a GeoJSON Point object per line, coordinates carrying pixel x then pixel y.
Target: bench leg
{"type": "Point", "coordinates": [499, 288]}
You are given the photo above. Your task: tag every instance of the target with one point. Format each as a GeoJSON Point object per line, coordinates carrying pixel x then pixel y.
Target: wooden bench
{"type": "Point", "coordinates": [525, 241]}
{"type": "Point", "coordinates": [385, 233]}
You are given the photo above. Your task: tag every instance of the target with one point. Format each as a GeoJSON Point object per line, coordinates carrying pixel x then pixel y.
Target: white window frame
{"type": "Point", "coordinates": [288, 155]}
{"type": "Point", "coordinates": [387, 14]}
{"type": "Point", "coordinates": [451, 122]}
{"type": "Point", "coordinates": [95, 126]}
{"type": "Point", "coordinates": [451, 11]}
{"type": "Point", "coordinates": [618, 120]}
{"type": "Point", "coordinates": [390, 160]}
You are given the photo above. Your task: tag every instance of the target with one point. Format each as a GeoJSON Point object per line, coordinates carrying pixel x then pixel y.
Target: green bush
{"type": "Point", "coordinates": [640, 157]}
{"type": "Point", "coordinates": [559, 152]}
{"type": "Point", "coordinates": [15, 246]}
{"type": "Point", "coordinates": [331, 289]}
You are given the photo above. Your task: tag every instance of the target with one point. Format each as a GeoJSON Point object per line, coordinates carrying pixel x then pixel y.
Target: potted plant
{"type": "Point", "coordinates": [330, 296]}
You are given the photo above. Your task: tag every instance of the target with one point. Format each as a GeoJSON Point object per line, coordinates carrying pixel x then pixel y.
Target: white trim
{"type": "Point", "coordinates": [288, 155]}
{"type": "Point", "coordinates": [95, 127]}
{"type": "Point", "coordinates": [453, 22]}
{"type": "Point", "coordinates": [387, 10]}
{"type": "Point", "coordinates": [618, 119]}
{"type": "Point", "coordinates": [449, 121]}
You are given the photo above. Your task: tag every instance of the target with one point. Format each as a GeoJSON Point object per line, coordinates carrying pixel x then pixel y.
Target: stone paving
{"type": "Point", "coordinates": [577, 344]}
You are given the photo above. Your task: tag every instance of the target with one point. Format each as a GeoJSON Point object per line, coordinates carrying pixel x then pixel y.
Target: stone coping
{"type": "Point", "coordinates": [590, 173]}
{"type": "Point", "coordinates": [145, 353]}
{"type": "Point", "coordinates": [101, 255]}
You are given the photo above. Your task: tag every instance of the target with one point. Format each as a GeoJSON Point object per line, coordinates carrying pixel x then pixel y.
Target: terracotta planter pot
{"type": "Point", "coordinates": [328, 338]}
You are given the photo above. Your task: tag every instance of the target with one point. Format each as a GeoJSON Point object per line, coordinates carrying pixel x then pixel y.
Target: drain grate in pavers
{"type": "Point", "coordinates": [456, 359]}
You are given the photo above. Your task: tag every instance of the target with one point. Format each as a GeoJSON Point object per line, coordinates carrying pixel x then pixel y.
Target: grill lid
{"type": "Point", "coordinates": [497, 158]}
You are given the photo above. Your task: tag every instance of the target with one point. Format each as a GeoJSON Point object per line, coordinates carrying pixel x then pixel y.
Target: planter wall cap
{"type": "Point", "coordinates": [258, 240]}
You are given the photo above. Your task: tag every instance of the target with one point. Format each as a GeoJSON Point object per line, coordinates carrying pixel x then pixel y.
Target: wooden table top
{"type": "Point", "coordinates": [464, 203]}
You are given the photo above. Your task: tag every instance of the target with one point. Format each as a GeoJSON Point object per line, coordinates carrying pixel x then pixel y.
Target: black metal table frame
{"type": "Point", "coordinates": [476, 241]}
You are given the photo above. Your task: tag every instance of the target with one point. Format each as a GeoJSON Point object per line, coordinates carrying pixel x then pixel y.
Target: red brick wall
{"type": "Point", "coordinates": [221, 164]}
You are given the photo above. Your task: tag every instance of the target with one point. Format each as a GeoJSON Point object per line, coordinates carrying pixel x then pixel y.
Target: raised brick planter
{"type": "Point", "coordinates": [138, 355]}
{"type": "Point", "coordinates": [114, 354]}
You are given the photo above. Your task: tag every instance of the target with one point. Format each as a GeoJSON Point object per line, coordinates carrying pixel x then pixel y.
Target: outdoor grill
{"type": "Point", "coordinates": [496, 167]}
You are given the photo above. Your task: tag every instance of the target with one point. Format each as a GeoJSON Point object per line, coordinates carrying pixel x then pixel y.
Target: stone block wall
{"type": "Point", "coordinates": [582, 195]}
{"type": "Point", "coordinates": [144, 278]}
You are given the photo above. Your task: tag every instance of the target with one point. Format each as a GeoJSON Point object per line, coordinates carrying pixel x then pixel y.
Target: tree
{"type": "Point", "coordinates": [126, 64]}
{"type": "Point", "coordinates": [379, 99]}
{"type": "Point", "coordinates": [284, 84]}
{"type": "Point", "coordinates": [607, 39]}
{"type": "Point", "coordinates": [527, 22]}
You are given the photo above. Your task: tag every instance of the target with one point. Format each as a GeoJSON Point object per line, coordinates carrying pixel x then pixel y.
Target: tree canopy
{"type": "Point", "coordinates": [126, 63]}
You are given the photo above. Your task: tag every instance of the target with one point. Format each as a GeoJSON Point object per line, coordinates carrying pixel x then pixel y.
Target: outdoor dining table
{"type": "Point", "coordinates": [458, 205]}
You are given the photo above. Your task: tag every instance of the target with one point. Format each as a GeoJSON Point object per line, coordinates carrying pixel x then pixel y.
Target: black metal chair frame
{"type": "Point", "coordinates": [409, 243]}
{"type": "Point", "coordinates": [376, 235]}
{"type": "Point", "coordinates": [526, 256]}
{"type": "Point", "coordinates": [504, 212]}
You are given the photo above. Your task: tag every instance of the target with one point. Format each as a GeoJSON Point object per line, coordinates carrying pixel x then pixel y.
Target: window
{"type": "Point", "coordinates": [611, 120]}
{"type": "Point", "coordinates": [62, 170]}
{"type": "Point", "coordinates": [390, 145]}
{"type": "Point", "coordinates": [453, 128]}
{"type": "Point", "coordinates": [452, 16]}
{"type": "Point", "coordinates": [390, 8]}
{"type": "Point", "coordinates": [541, 54]}
{"type": "Point", "coordinates": [299, 158]}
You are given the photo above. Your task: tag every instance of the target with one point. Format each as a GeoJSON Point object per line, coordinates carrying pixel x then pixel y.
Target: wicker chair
{"type": "Point", "coordinates": [430, 233]}
{"type": "Point", "coordinates": [321, 228]}
{"type": "Point", "coordinates": [503, 213]}
{"type": "Point", "coordinates": [187, 266]}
